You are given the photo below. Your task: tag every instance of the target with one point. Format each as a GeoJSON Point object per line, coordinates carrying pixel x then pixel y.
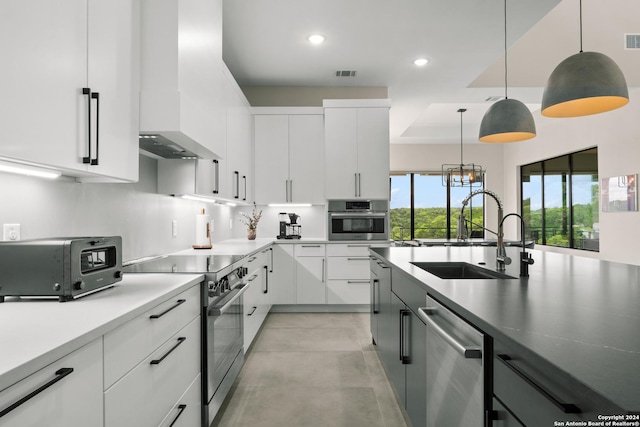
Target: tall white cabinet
{"type": "Point", "coordinates": [289, 155]}
{"type": "Point", "coordinates": [70, 94]}
{"type": "Point", "coordinates": [356, 149]}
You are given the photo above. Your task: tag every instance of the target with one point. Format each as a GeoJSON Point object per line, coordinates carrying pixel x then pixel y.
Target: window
{"type": "Point", "coordinates": [422, 208]}
{"type": "Point", "coordinates": [560, 200]}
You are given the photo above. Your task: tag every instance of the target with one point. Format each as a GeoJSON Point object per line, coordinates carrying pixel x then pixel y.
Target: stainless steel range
{"type": "Point", "coordinates": [222, 319]}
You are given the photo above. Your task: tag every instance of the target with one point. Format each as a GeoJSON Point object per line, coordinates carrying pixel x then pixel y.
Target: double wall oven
{"type": "Point", "coordinates": [358, 219]}
{"type": "Point", "coordinates": [221, 315]}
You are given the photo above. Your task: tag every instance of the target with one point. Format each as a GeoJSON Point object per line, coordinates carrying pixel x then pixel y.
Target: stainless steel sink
{"type": "Point", "coordinates": [459, 270]}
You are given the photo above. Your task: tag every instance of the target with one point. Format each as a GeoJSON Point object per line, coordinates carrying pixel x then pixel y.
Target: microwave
{"type": "Point", "coordinates": [358, 219]}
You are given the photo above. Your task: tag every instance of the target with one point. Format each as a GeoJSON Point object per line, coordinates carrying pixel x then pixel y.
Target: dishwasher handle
{"type": "Point", "coordinates": [467, 351]}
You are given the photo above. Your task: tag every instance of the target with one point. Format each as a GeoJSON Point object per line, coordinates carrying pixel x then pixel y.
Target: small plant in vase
{"type": "Point", "coordinates": [251, 221]}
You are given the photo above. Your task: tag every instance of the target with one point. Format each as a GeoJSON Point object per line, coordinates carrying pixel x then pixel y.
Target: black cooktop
{"type": "Point", "coordinates": [212, 265]}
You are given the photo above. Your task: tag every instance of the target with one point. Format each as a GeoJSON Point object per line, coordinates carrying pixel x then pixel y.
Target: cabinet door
{"type": "Point", "coordinates": [341, 152]}
{"type": "Point", "coordinates": [251, 301]}
{"type": "Point", "coordinates": [44, 114]}
{"type": "Point", "coordinates": [187, 411]}
{"type": "Point", "coordinates": [114, 74]}
{"type": "Point", "coordinates": [306, 154]}
{"type": "Point", "coordinates": [416, 372]}
{"type": "Point", "coordinates": [373, 153]}
{"type": "Point", "coordinates": [351, 268]}
{"type": "Point", "coordinates": [75, 400]}
{"type": "Point", "coordinates": [310, 280]}
{"type": "Point", "coordinates": [282, 284]}
{"type": "Point", "coordinates": [236, 181]}
{"type": "Point", "coordinates": [389, 345]}
{"type": "Point", "coordinates": [355, 291]}
{"type": "Point", "coordinates": [271, 159]}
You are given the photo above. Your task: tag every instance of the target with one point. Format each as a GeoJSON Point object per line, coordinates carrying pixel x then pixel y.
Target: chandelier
{"type": "Point", "coordinates": [461, 174]}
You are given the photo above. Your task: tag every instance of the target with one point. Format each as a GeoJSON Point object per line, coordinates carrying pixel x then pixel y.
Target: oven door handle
{"type": "Point", "coordinates": [220, 309]}
{"type": "Point", "coordinates": [358, 214]}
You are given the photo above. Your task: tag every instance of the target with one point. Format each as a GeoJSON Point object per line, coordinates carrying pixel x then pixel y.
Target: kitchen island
{"type": "Point", "coordinates": [575, 319]}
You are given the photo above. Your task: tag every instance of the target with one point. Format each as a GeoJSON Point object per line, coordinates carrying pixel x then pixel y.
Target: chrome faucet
{"type": "Point", "coordinates": [525, 259]}
{"type": "Point", "coordinates": [501, 254]}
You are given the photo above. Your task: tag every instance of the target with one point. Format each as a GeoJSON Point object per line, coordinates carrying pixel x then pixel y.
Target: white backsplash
{"type": "Point", "coordinates": [143, 218]}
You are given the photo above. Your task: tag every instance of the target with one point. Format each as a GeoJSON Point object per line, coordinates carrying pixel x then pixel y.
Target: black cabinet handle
{"type": "Point", "coordinates": [60, 374]}
{"type": "Point", "coordinates": [567, 408]}
{"type": "Point", "coordinates": [266, 279]}
{"type": "Point", "coordinates": [158, 361]}
{"type": "Point", "coordinates": [404, 356]}
{"type": "Point", "coordinates": [253, 310]}
{"type": "Point", "coordinates": [96, 96]}
{"type": "Point", "coordinates": [244, 177]}
{"type": "Point", "coordinates": [237, 195]}
{"type": "Point", "coordinates": [87, 91]}
{"type": "Point", "coordinates": [271, 250]}
{"type": "Point", "coordinates": [157, 316]}
{"type": "Point", "coordinates": [373, 295]}
{"type": "Point", "coordinates": [216, 187]}
{"type": "Point", "coordinates": [181, 409]}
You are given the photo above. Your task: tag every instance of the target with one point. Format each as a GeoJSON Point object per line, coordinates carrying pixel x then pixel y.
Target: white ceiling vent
{"type": "Point", "coordinates": [631, 41]}
{"type": "Point", "coordinates": [345, 73]}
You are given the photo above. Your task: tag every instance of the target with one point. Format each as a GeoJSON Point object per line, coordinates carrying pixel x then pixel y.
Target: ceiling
{"type": "Point", "coordinates": [265, 45]}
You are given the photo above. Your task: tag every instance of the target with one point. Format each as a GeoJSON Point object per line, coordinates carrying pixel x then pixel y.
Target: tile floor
{"type": "Point", "coordinates": [312, 369]}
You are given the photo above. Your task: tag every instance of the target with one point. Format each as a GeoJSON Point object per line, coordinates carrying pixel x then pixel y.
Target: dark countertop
{"type": "Point", "coordinates": [580, 314]}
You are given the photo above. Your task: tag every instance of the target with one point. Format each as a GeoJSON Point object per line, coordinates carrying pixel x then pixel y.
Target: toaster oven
{"type": "Point", "coordinates": [65, 268]}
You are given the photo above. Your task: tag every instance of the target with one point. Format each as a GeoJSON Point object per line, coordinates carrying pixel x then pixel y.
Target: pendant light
{"type": "Point", "coordinates": [583, 84]}
{"type": "Point", "coordinates": [461, 175]}
{"type": "Point", "coordinates": [507, 120]}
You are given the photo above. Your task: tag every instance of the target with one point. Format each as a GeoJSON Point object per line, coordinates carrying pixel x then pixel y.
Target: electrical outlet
{"type": "Point", "coordinates": [11, 232]}
{"type": "Point", "coordinates": [174, 228]}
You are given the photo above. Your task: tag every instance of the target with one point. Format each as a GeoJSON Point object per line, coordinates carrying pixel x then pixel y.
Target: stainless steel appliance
{"type": "Point", "coordinates": [358, 219]}
{"type": "Point", "coordinates": [222, 319]}
{"type": "Point", "coordinates": [455, 369]}
{"type": "Point", "coordinates": [64, 267]}
{"type": "Point", "coordinates": [290, 227]}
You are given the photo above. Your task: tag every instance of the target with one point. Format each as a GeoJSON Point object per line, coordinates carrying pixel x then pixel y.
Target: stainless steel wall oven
{"type": "Point", "coordinates": [358, 220]}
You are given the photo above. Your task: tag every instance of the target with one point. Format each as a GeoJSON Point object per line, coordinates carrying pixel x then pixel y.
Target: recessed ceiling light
{"type": "Point", "coordinates": [421, 61]}
{"type": "Point", "coordinates": [316, 38]}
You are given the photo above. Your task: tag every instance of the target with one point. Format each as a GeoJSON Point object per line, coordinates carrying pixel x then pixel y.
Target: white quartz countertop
{"type": "Point", "coordinates": [36, 333]}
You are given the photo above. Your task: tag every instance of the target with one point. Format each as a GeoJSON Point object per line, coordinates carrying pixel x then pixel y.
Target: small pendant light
{"type": "Point", "coordinates": [461, 174]}
{"type": "Point", "coordinates": [507, 120]}
{"type": "Point", "coordinates": [583, 84]}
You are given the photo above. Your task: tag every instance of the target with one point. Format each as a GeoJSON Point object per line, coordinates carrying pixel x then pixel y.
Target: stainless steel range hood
{"type": "Point", "coordinates": [171, 145]}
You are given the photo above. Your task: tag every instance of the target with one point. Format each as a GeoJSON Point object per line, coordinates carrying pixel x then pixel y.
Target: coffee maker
{"type": "Point", "coordinates": [290, 227]}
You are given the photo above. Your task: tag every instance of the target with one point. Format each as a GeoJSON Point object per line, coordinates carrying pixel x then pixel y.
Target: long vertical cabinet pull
{"type": "Point", "coordinates": [216, 175]}
{"type": "Point", "coordinates": [87, 91]}
{"type": "Point", "coordinates": [404, 334]}
{"type": "Point", "coordinates": [60, 374]}
{"type": "Point", "coordinates": [374, 300]}
{"type": "Point", "coordinates": [266, 279]}
{"type": "Point", "coordinates": [359, 186]}
{"type": "Point", "coordinates": [323, 262]}
{"type": "Point", "coordinates": [271, 250]}
{"type": "Point", "coordinates": [237, 192]}
{"type": "Point", "coordinates": [244, 177]}
{"type": "Point", "coordinates": [355, 181]}
{"type": "Point", "coordinates": [96, 96]}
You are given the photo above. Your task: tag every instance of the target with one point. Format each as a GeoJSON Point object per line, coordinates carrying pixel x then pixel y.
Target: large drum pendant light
{"type": "Point", "coordinates": [583, 84]}
{"type": "Point", "coordinates": [507, 120]}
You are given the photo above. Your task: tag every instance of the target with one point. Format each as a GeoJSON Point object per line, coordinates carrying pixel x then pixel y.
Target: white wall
{"type": "Point", "coordinates": [617, 136]}
{"type": "Point", "coordinates": [62, 208]}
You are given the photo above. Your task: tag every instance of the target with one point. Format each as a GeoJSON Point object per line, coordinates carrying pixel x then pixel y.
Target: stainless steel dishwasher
{"type": "Point", "coordinates": [455, 369]}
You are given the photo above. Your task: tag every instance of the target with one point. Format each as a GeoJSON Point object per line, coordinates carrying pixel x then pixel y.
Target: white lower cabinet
{"type": "Point", "coordinates": [310, 276]}
{"type": "Point", "coordinates": [151, 361]}
{"type": "Point", "coordinates": [187, 411]}
{"type": "Point", "coordinates": [282, 282]}
{"type": "Point", "coordinates": [71, 394]}
{"type": "Point", "coordinates": [144, 395]}
{"type": "Point", "coordinates": [348, 273]}
{"type": "Point", "coordinates": [256, 300]}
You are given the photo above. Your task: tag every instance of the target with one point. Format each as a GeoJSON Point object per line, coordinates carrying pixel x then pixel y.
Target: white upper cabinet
{"type": "Point", "coordinates": [70, 96]}
{"type": "Point", "coordinates": [357, 149]}
{"type": "Point", "coordinates": [236, 168]}
{"type": "Point", "coordinates": [181, 97]}
{"type": "Point", "coordinates": [289, 157]}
